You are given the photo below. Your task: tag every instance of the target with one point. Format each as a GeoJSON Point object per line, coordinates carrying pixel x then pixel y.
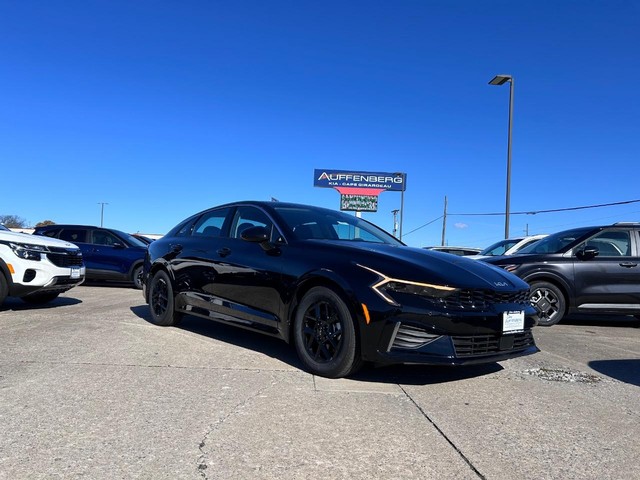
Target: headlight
{"type": "Point", "coordinates": [387, 284]}
{"type": "Point", "coordinates": [28, 251]}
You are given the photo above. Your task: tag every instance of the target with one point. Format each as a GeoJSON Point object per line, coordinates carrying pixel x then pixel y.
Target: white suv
{"type": "Point", "coordinates": [509, 246]}
{"type": "Point", "coordinates": [37, 269]}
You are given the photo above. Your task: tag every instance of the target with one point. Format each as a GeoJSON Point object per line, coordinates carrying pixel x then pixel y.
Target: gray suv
{"type": "Point", "coordinates": [582, 270]}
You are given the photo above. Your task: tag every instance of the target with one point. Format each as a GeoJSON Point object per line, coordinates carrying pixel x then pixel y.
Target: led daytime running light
{"type": "Point", "coordinates": [377, 287]}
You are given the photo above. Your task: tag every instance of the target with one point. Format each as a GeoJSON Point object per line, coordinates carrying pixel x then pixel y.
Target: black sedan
{"type": "Point", "coordinates": [340, 289]}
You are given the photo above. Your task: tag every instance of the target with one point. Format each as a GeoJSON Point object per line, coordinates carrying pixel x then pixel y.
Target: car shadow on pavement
{"type": "Point", "coordinates": [239, 337]}
{"type": "Point", "coordinates": [424, 374]}
{"type": "Point", "coordinates": [279, 350]}
{"type": "Point", "coordinates": [627, 371]}
{"type": "Point", "coordinates": [623, 321]}
{"type": "Point", "coordinates": [16, 304]}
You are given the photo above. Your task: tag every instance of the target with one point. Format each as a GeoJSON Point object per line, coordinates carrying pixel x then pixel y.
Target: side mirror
{"type": "Point", "coordinates": [118, 246]}
{"type": "Point", "coordinates": [261, 236]}
{"type": "Point", "coordinates": [587, 253]}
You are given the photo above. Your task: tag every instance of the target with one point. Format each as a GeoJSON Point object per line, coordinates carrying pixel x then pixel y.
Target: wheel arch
{"type": "Point", "coordinates": [136, 264]}
{"type": "Point", "coordinates": [4, 271]}
{"type": "Point", "coordinates": [333, 282]}
{"type": "Point", "coordinates": [558, 282]}
{"type": "Point", "coordinates": [156, 267]}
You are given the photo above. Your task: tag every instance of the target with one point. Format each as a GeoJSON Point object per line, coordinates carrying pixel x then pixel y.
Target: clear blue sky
{"type": "Point", "coordinates": [165, 108]}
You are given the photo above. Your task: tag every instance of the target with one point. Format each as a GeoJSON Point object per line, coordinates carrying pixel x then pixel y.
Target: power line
{"type": "Point", "coordinates": [422, 226]}
{"type": "Point", "coordinates": [535, 212]}
{"type": "Point", "coordinates": [532, 212]}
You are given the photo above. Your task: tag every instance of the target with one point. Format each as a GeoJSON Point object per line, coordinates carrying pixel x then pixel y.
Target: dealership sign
{"type": "Point", "coordinates": [374, 182]}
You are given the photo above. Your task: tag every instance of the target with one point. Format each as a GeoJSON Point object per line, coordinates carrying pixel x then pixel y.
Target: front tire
{"type": "Point", "coordinates": [324, 334]}
{"type": "Point", "coordinates": [4, 288]}
{"type": "Point", "coordinates": [162, 301]}
{"type": "Point", "coordinates": [549, 301]}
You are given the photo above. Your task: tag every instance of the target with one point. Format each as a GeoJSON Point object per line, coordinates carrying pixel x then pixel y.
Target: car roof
{"type": "Point", "coordinates": [271, 206]}
{"type": "Point", "coordinates": [58, 225]}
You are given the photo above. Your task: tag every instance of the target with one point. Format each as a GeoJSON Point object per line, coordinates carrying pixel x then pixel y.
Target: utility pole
{"type": "Point", "coordinates": [444, 220]}
{"type": "Point", "coordinates": [102, 204]}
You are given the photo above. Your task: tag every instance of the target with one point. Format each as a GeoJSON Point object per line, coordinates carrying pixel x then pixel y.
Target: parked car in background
{"type": "Point", "coordinates": [582, 270]}
{"type": "Point", "coordinates": [109, 254]}
{"type": "Point", "coordinates": [340, 289]}
{"type": "Point", "coordinates": [144, 239]}
{"type": "Point", "coordinates": [508, 246]}
{"type": "Point", "coordinates": [461, 251]}
{"type": "Point", "coordinates": [35, 269]}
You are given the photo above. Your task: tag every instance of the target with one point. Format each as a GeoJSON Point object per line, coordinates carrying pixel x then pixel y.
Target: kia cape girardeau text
{"type": "Point", "coordinates": [342, 290]}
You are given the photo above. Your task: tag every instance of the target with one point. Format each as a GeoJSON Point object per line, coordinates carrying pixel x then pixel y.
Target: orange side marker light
{"type": "Point", "coordinates": [366, 313]}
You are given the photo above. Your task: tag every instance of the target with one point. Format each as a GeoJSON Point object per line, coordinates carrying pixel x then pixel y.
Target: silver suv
{"type": "Point", "coordinates": [37, 269]}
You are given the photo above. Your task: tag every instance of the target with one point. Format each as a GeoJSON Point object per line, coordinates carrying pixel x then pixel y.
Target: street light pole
{"type": "Point", "coordinates": [501, 80]}
{"type": "Point", "coordinates": [395, 221]}
{"type": "Point", "coordinates": [102, 204]}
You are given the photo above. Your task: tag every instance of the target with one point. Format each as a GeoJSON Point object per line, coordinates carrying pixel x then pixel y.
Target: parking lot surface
{"type": "Point", "coordinates": [89, 388]}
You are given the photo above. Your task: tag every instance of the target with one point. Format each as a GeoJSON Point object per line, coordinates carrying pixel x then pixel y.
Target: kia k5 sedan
{"type": "Point", "coordinates": [342, 290]}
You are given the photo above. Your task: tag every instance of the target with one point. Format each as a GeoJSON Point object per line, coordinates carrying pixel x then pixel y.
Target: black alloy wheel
{"type": "Point", "coordinates": [324, 334]}
{"type": "Point", "coordinates": [549, 301]}
{"type": "Point", "coordinates": [161, 300]}
{"type": "Point", "coordinates": [138, 277]}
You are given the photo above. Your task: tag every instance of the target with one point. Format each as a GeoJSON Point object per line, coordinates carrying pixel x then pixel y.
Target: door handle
{"type": "Point", "coordinates": [223, 252]}
{"type": "Point", "coordinates": [628, 264]}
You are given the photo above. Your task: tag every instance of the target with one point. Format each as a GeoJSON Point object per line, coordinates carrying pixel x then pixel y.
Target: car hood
{"type": "Point", "coordinates": [520, 258]}
{"type": "Point", "coordinates": [35, 240]}
{"type": "Point", "coordinates": [422, 265]}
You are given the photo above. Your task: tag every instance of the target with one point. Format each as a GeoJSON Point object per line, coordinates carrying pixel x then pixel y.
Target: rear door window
{"type": "Point", "coordinates": [212, 224]}
{"type": "Point", "coordinates": [74, 235]}
{"type": "Point", "coordinates": [247, 217]}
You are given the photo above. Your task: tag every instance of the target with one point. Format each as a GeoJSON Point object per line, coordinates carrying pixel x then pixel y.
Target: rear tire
{"type": "Point", "coordinates": [137, 277]}
{"type": "Point", "coordinates": [40, 298]}
{"type": "Point", "coordinates": [162, 301]}
{"type": "Point", "coordinates": [549, 302]}
{"type": "Point", "coordinates": [325, 336]}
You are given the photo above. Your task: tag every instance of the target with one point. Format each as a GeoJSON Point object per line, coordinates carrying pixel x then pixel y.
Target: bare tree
{"type": "Point", "coordinates": [44, 223]}
{"type": "Point", "coordinates": [13, 221]}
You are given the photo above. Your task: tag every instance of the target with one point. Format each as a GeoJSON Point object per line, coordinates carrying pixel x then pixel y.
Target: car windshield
{"type": "Point", "coordinates": [319, 224]}
{"type": "Point", "coordinates": [556, 242]}
{"type": "Point", "coordinates": [500, 247]}
{"type": "Point", "coordinates": [136, 242]}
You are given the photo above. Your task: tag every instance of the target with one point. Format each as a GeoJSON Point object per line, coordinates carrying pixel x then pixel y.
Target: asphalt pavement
{"type": "Point", "coordinates": [89, 388]}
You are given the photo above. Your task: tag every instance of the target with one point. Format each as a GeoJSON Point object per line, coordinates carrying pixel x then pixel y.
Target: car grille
{"type": "Point", "coordinates": [473, 345]}
{"type": "Point", "coordinates": [409, 337]}
{"type": "Point", "coordinates": [482, 299]}
{"type": "Point", "coordinates": [65, 257]}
